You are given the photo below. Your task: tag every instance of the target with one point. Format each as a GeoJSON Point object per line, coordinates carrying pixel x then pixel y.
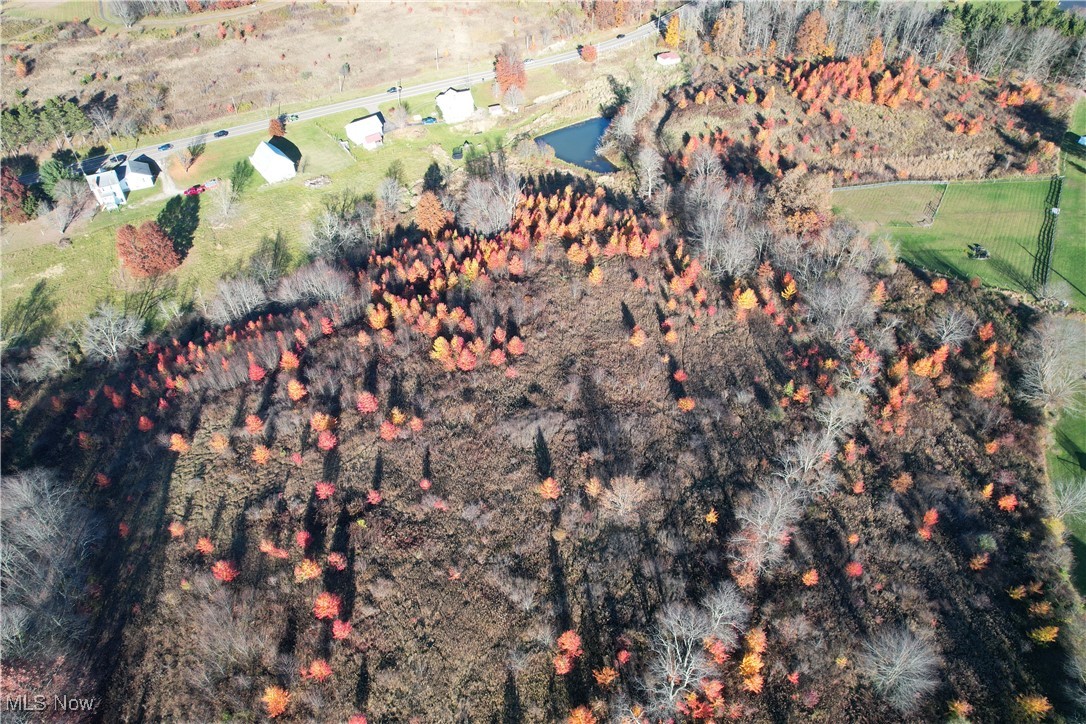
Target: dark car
{"type": "Point", "coordinates": [429, 121]}
{"type": "Point", "coordinates": [393, 89]}
{"type": "Point", "coordinates": [113, 162]}
{"type": "Point", "coordinates": [620, 36]}
{"type": "Point", "coordinates": [195, 190]}
{"type": "Point", "coordinates": [165, 147]}
{"type": "Point", "coordinates": [221, 134]}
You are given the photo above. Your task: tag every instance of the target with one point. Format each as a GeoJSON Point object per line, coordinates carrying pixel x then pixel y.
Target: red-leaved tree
{"type": "Point", "coordinates": [589, 54]}
{"type": "Point", "coordinates": [13, 197]}
{"type": "Point", "coordinates": [146, 251]}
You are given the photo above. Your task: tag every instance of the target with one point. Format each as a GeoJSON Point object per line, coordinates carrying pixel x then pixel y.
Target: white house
{"type": "Point", "coordinates": [456, 105]}
{"type": "Point", "coordinates": [669, 57]}
{"type": "Point", "coordinates": [138, 174]}
{"type": "Point", "coordinates": [366, 132]}
{"type": "Point", "coordinates": [273, 164]}
{"type": "Point", "coordinates": [108, 189]}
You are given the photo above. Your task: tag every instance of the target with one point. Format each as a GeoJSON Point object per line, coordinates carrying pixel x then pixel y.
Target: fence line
{"type": "Point", "coordinates": [1046, 239]}
{"type": "Point", "coordinates": [947, 182]}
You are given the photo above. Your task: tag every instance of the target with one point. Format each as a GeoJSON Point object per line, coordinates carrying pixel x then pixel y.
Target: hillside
{"type": "Point", "coordinates": [559, 470]}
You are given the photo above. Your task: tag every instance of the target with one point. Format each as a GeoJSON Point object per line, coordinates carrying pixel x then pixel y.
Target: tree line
{"type": "Point", "coordinates": [1037, 39]}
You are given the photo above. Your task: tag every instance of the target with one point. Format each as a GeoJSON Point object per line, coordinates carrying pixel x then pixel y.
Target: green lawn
{"type": "Point", "coordinates": [1003, 216]}
{"type": "Point", "coordinates": [1067, 457]}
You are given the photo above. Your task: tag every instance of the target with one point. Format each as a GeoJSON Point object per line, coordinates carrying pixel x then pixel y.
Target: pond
{"type": "Point", "coordinates": [577, 144]}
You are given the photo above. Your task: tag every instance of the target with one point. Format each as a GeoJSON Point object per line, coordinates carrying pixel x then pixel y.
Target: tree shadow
{"type": "Point", "coordinates": [31, 318]}
{"type": "Point", "coordinates": [179, 219]}
{"type": "Point", "coordinates": [543, 464]}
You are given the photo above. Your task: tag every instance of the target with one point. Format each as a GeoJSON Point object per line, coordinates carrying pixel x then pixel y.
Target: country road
{"type": "Point", "coordinates": [647, 30]}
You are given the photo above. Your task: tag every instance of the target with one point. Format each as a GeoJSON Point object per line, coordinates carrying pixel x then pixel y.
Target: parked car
{"type": "Point", "coordinates": [221, 134]}
{"type": "Point", "coordinates": [165, 147]}
{"type": "Point", "coordinates": [195, 190]}
{"type": "Point", "coordinates": [113, 162]}
{"type": "Point", "coordinates": [429, 121]}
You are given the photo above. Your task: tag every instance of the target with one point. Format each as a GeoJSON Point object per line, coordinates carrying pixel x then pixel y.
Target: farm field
{"type": "Point", "coordinates": [1005, 217]}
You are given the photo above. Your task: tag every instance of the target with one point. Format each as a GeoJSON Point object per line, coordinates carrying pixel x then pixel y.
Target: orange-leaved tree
{"type": "Point", "coordinates": [146, 251]}
{"type": "Point", "coordinates": [589, 53]}
{"type": "Point", "coordinates": [430, 214]}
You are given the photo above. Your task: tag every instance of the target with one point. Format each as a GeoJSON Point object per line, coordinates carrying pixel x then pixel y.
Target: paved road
{"type": "Point", "coordinates": [647, 30]}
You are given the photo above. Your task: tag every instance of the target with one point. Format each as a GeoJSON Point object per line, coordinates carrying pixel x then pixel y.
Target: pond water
{"type": "Point", "coordinates": [577, 144]}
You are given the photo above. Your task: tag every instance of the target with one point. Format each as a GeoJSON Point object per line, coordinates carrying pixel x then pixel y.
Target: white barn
{"type": "Point", "coordinates": [669, 57]}
{"type": "Point", "coordinates": [108, 189]}
{"type": "Point", "coordinates": [139, 174]}
{"type": "Point", "coordinates": [273, 164]}
{"type": "Point", "coordinates": [456, 105]}
{"type": "Point", "coordinates": [366, 132]}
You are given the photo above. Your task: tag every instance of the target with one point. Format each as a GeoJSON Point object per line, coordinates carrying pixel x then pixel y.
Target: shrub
{"type": "Point", "coordinates": [902, 667]}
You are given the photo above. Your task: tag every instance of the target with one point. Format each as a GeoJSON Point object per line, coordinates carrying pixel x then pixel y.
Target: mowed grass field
{"type": "Point", "coordinates": [1067, 455]}
{"type": "Point", "coordinates": [1003, 216]}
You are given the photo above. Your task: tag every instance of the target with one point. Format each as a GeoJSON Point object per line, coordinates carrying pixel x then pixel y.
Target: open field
{"type": "Point", "coordinates": [1003, 216]}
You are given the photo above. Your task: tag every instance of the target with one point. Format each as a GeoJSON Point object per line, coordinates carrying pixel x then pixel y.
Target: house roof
{"type": "Point", "coordinates": [268, 156]}
{"type": "Point", "coordinates": [370, 129]}
{"type": "Point", "coordinates": [104, 179]}
{"type": "Point", "coordinates": [141, 168]}
{"type": "Point", "coordinates": [456, 103]}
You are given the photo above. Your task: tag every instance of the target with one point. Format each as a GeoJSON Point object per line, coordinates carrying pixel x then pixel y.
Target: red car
{"type": "Point", "coordinates": [194, 190]}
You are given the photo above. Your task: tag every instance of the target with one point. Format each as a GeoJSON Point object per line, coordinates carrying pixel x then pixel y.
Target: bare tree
{"type": "Point", "coordinates": [621, 503]}
{"type": "Point", "coordinates": [103, 120]}
{"type": "Point", "coordinates": [902, 667]}
{"type": "Point", "coordinates": [952, 327]}
{"type": "Point", "coordinates": [488, 203]}
{"type": "Point", "coordinates": [763, 525]}
{"type": "Point", "coordinates": [313, 283]}
{"type": "Point", "coordinates": [1054, 368]}
{"type": "Point", "coordinates": [727, 614]}
{"type": "Point", "coordinates": [1070, 498]}
{"type": "Point", "coordinates": [236, 299]}
{"type": "Point", "coordinates": [679, 661]}
{"type": "Point", "coordinates": [346, 228]}
{"type": "Point", "coordinates": [72, 199]}
{"type": "Point", "coordinates": [841, 413]}
{"type": "Point", "coordinates": [390, 192]}
{"type": "Point", "coordinates": [841, 304]}
{"type": "Point", "coordinates": [650, 171]}
{"type": "Point", "coordinates": [45, 538]}
{"type": "Point", "coordinates": [188, 155]}
{"type": "Point", "coordinates": [109, 332]}
{"type": "Point", "coordinates": [224, 203]}
{"type": "Point", "coordinates": [127, 11]}
{"type": "Point", "coordinates": [51, 357]}
{"type": "Point", "coordinates": [1046, 46]}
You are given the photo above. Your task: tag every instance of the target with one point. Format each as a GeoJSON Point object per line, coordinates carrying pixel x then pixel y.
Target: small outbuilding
{"type": "Point", "coordinates": [108, 189]}
{"type": "Point", "coordinates": [271, 163]}
{"type": "Point", "coordinates": [139, 173]}
{"type": "Point", "coordinates": [496, 109]}
{"type": "Point", "coordinates": [669, 57]}
{"type": "Point", "coordinates": [367, 132]}
{"type": "Point", "coordinates": [456, 105]}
